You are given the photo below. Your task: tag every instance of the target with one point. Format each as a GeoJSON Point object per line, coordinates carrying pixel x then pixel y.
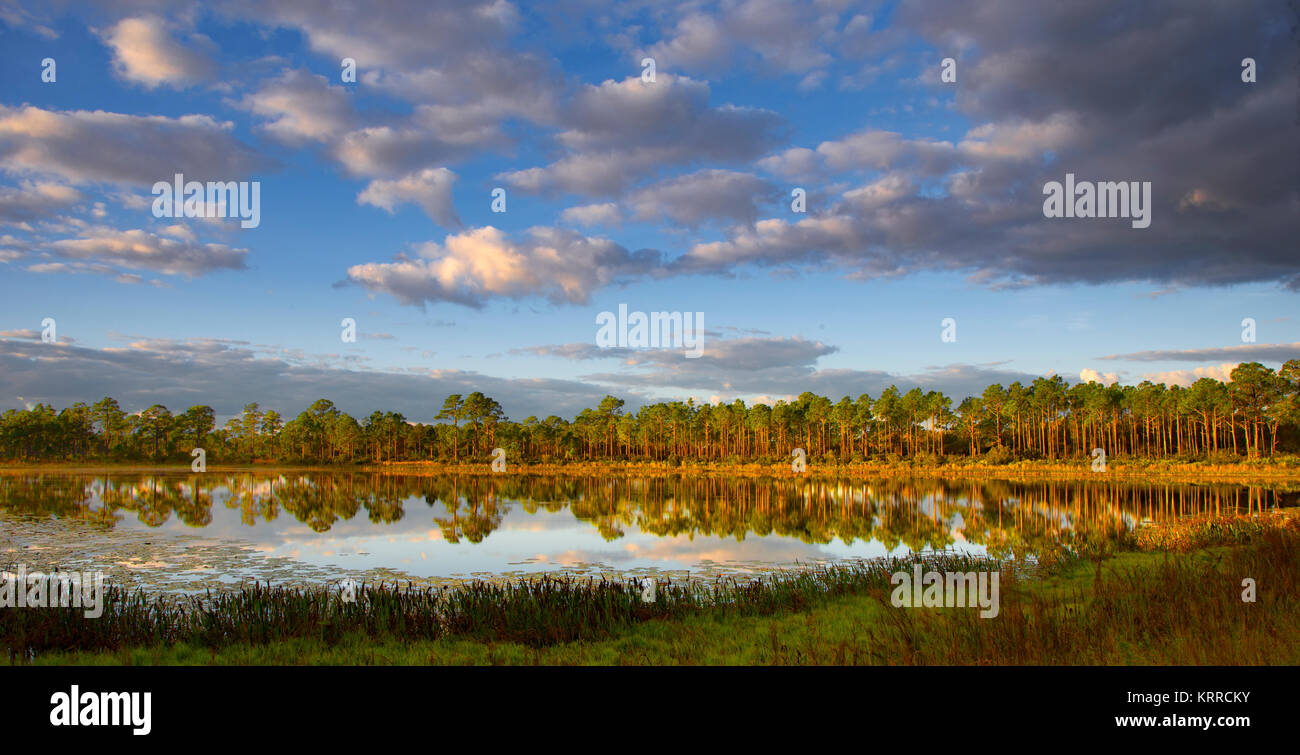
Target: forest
{"type": "Point", "coordinates": [1256, 413]}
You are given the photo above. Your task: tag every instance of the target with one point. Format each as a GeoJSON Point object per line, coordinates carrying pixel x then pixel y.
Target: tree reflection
{"type": "Point", "coordinates": [1008, 518]}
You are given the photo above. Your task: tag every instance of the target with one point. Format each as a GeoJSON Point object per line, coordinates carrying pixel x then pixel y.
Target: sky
{"type": "Point", "coordinates": [920, 135]}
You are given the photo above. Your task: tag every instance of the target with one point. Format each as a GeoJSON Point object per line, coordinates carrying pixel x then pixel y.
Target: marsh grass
{"type": "Point", "coordinates": [535, 611]}
{"type": "Point", "coordinates": [1183, 610]}
{"type": "Point", "coordinates": [1183, 535]}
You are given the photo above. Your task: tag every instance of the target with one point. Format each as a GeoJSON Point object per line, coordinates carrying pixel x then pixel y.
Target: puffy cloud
{"type": "Point", "coordinates": [140, 249]}
{"type": "Point", "coordinates": [476, 92]}
{"type": "Point", "coordinates": [429, 188]}
{"type": "Point", "coordinates": [887, 150]}
{"type": "Point", "coordinates": [787, 36]}
{"type": "Point", "coordinates": [455, 56]}
{"type": "Point", "coordinates": [620, 131]}
{"type": "Point", "coordinates": [83, 146]}
{"type": "Point", "coordinates": [391, 150]}
{"type": "Point", "coordinates": [704, 195]}
{"type": "Point", "coordinates": [605, 213]}
{"type": "Point", "coordinates": [671, 111]}
{"type": "Point", "coordinates": [34, 200]}
{"type": "Point", "coordinates": [403, 36]}
{"type": "Point", "coordinates": [302, 107]}
{"type": "Point", "coordinates": [1088, 375]}
{"type": "Point", "coordinates": [1223, 211]}
{"type": "Point", "coordinates": [1221, 372]}
{"type": "Point", "coordinates": [776, 241]}
{"type": "Point", "coordinates": [601, 173]}
{"type": "Point", "coordinates": [145, 52]}
{"type": "Point", "coordinates": [1221, 205]}
{"type": "Point", "coordinates": [470, 267]}
{"type": "Point", "coordinates": [796, 162]}
{"type": "Point", "coordinates": [1020, 140]}
{"type": "Point", "coordinates": [697, 42]}
{"type": "Point", "coordinates": [990, 223]}
{"type": "Point", "coordinates": [889, 188]}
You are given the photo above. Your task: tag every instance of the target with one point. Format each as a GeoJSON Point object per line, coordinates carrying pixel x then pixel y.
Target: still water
{"type": "Point", "coordinates": [458, 527]}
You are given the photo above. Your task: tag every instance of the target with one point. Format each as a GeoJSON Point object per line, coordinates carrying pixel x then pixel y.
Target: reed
{"type": "Point", "coordinates": [1181, 610]}
{"type": "Point", "coordinates": [534, 611]}
{"type": "Point", "coordinates": [1183, 535]}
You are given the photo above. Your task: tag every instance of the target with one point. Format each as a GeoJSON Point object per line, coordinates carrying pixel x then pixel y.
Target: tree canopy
{"type": "Point", "coordinates": [1255, 413]}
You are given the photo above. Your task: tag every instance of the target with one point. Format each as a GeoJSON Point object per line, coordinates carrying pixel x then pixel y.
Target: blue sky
{"type": "Point", "coordinates": [924, 198]}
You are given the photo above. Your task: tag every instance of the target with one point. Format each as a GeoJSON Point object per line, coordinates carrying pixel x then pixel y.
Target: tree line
{"type": "Point", "coordinates": [1255, 413]}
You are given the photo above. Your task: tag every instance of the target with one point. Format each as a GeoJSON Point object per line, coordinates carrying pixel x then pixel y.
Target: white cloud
{"type": "Point", "coordinates": [301, 106]}
{"type": "Point", "coordinates": [1088, 375]}
{"type": "Point", "coordinates": [704, 195]}
{"type": "Point", "coordinates": [605, 213]}
{"type": "Point", "coordinates": [429, 188]}
{"type": "Point", "coordinates": [33, 200]}
{"type": "Point", "coordinates": [1221, 372]}
{"type": "Point", "coordinates": [469, 267]}
{"type": "Point", "coordinates": [140, 249]}
{"type": "Point", "coordinates": [84, 146]}
{"type": "Point", "coordinates": [618, 132]}
{"type": "Point", "coordinates": [144, 52]}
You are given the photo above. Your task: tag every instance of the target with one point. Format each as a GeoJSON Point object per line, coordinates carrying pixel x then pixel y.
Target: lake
{"type": "Point", "coordinates": [184, 531]}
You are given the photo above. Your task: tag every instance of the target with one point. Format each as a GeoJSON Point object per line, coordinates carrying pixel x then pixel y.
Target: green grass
{"type": "Point", "coordinates": [1148, 607]}
{"type": "Point", "coordinates": [534, 611]}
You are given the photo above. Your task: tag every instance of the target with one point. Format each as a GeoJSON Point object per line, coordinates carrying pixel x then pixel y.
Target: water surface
{"type": "Point", "coordinates": [319, 525]}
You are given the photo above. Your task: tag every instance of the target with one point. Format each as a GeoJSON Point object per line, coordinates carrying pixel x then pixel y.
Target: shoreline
{"type": "Point", "coordinates": [1243, 473]}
